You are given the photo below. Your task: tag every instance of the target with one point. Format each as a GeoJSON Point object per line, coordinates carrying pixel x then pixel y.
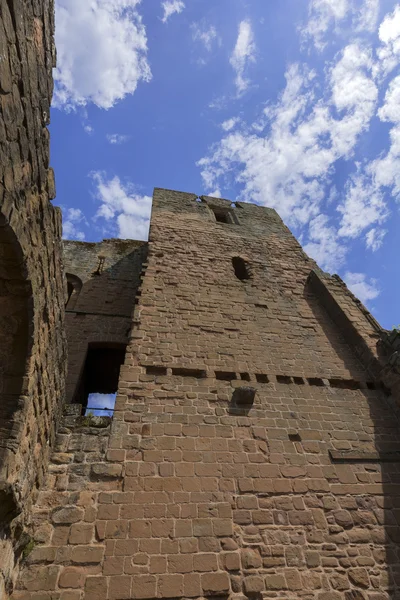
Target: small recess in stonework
{"type": "Point", "coordinates": [152, 370]}
{"type": "Point", "coordinates": [240, 267]}
{"type": "Point", "coordinates": [345, 384]}
{"type": "Point", "coordinates": [315, 381]}
{"type": "Point", "coordinates": [286, 379]}
{"type": "Point", "coordinates": [261, 378]}
{"type": "Point", "coordinates": [225, 375]}
{"type": "Point", "coordinates": [184, 372]}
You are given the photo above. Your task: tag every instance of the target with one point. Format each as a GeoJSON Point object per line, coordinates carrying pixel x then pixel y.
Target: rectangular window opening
{"type": "Point", "coordinates": [182, 372]}
{"type": "Point", "coordinates": [98, 385]}
{"type": "Point", "coordinates": [315, 381]}
{"type": "Point", "coordinates": [345, 384]}
{"type": "Point", "coordinates": [284, 379]}
{"type": "Point", "coordinates": [223, 215]}
{"type": "Point", "coordinates": [225, 375]}
{"type": "Point", "coordinates": [262, 378]}
{"type": "Point", "coordinates": [245, 376]}
{"type": "Point", "coordinates": [298, 380]}
{"type": "Point", "coordinates": [152, 370]}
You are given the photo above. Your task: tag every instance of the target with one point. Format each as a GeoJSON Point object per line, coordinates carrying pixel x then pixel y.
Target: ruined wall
{"type": "Point", "coordinates": [201, 490]}
{"type": "Point", "coordinates": [101, 305]}
{"type": "Point", "coordinates": [32, 340]}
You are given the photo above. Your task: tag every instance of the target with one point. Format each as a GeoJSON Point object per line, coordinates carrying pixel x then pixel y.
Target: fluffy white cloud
{"type": "Point", "coordinates": [362, 207]}
{"type": "Point", "coordinates": [101, 52]}
{"type": "Point", "coordinates": [322, 15]}
{"type": "Point", "coordinates": [286, 162]}
{"type": "Point", "coordinates": [171, 7]}
{"type": "Point", "coordinates": [366, 17]}
{"type": "Point", "coordinates": [324, 246]}
{"type": "Point", "coordinates": [389, 35]}
{"type": "Point", "coordinates": [117, 138]}
{"type": "Point", "coordinates": [333, 15]}
{"type": "Point", "coordinates": [374, 238]}
{"type": "Point", "coordinates": [72, 218]}
{"type": "Point", "coordinates": [361, 287]}
{"type": "Point", "coordinates": [385, 171]}
{"type": "Point", "coordinates": [124, 210]}
{"type": "Point", "coordinates": [243, 54]}
{"type": "Point", "coordinates": [230, 124]}
{"type": "Point", "coordinates": [206, 35]}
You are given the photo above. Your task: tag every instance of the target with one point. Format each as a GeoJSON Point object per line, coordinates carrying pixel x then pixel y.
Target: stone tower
{"type": "Point", "coordinates": [253, 451]}
{"type": "Point", "coordinates": [254, 446]}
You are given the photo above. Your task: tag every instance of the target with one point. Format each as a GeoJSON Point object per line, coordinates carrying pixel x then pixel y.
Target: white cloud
{"type": "Point", "coordinates": [101, 52]}
{"type": "Point", "coordinates": [243, 54]}
{"type": "Point", "coordinates": [124, 210]}
{"type": "Point", "coordinates": [374, 238]}
{"type": "Point", "coordinates": [385, 171]}
{"type": "Point", "coordinates": [117, 138]}
{"type": "Point", "coordinates": [366, 17]}
{"type": "Point", "coordinates": [362, 207]}
{"type": "Point", "coordinates": [88, 129]}
{"type": "Point", "coordinates": [171, 7]}
{"type": "Point", "coordinates": [389, 35]}
{"type": "Point", "coordinates": [206, 35]}
{"type": "Point", "coordinates": [361, 287]}
{"type": "Point", "coordinates": [324, 246]}
{"type": "Point", "coordinates": [322, 15]}
{"type": "Point", "coordinates": [288, 164]}
{"type": "Point", "coordinates": [72, 217]}
{"type": "Point", "coordinates": [230, 124]}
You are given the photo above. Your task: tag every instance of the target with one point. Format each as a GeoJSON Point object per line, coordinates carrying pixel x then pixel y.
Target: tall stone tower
{"type": "Point", "coordinates": [254, 447]}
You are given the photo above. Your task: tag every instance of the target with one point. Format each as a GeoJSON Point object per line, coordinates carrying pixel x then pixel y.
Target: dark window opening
{"type": "Point", "coordinates": [225, 375]}
{"type": "Point", "coordinates": [156, 370]}
{"type": "Point", "coordinates": [286, 379]}
{"type": "Point", "coordinates": [261, 378]}
{"type": "Point", "coordinates": [294, 437]}
{"type": "Point", "coordinates": [224, 215]}
{"type": "Point", "coordinates": [221, 216]}
{"type": "Point", "coordinates": [245, 376]}
{"type": "Point", "coordinates": [345, 384]}
{"type": "Point", "coordinates": [298, 380]}
{"type": "Point", "coordinates": [240, 268]}
{"type": "Point", "coordinates": [98, 385]}
{"type": "Point", "coordinates": [315, 381]}
{"type": "Point", "coordinates": [182, 372]}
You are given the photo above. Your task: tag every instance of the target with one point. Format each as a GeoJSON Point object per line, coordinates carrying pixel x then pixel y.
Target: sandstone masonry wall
{"type": "Point", "coordinates": [202, 489]}
{"type": "Point", "coordinates": [101, 305]}
{"type": "Point", "coordinates": [32, 339]}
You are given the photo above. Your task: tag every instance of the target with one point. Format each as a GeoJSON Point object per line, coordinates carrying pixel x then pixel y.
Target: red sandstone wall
{"type": "Point", "coordinates": [101, 311]}
{"type": "Point", "coordinates": [32, 339]}
{"type": "Point", "coordinates": [191, 496]}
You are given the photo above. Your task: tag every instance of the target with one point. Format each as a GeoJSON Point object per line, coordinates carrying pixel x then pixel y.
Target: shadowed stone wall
{"type": "Point", "coordinates": [32, 340]}
{"type": "Point", "coordinates": [106, 277]}
{"type": "Point", "coordinates": [254, 450]}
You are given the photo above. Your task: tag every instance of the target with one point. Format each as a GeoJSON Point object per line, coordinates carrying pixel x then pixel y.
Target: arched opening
{"type": "Point", "coordinates": [74, 286]}
{"type": "Point", "coordinates": [16, 329]}
{"type": "Point", "coordinates": [240, 267]}
{"type": "Point", "coordinates": [98, 384]}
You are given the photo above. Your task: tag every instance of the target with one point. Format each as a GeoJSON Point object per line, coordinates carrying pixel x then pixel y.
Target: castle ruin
{"type": "Point", "coordinates": [253, 450]}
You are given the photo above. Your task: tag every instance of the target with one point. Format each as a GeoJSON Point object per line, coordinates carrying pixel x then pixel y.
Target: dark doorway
{"type": "Point", "coordinates": [101, 373]}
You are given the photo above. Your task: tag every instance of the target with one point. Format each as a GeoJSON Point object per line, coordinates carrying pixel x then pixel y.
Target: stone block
{"type": "Point", "coordinates": [216, 584]}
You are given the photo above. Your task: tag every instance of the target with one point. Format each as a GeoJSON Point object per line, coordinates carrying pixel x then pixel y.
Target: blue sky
{"type": "Point", "coordinates": [293, 104]}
